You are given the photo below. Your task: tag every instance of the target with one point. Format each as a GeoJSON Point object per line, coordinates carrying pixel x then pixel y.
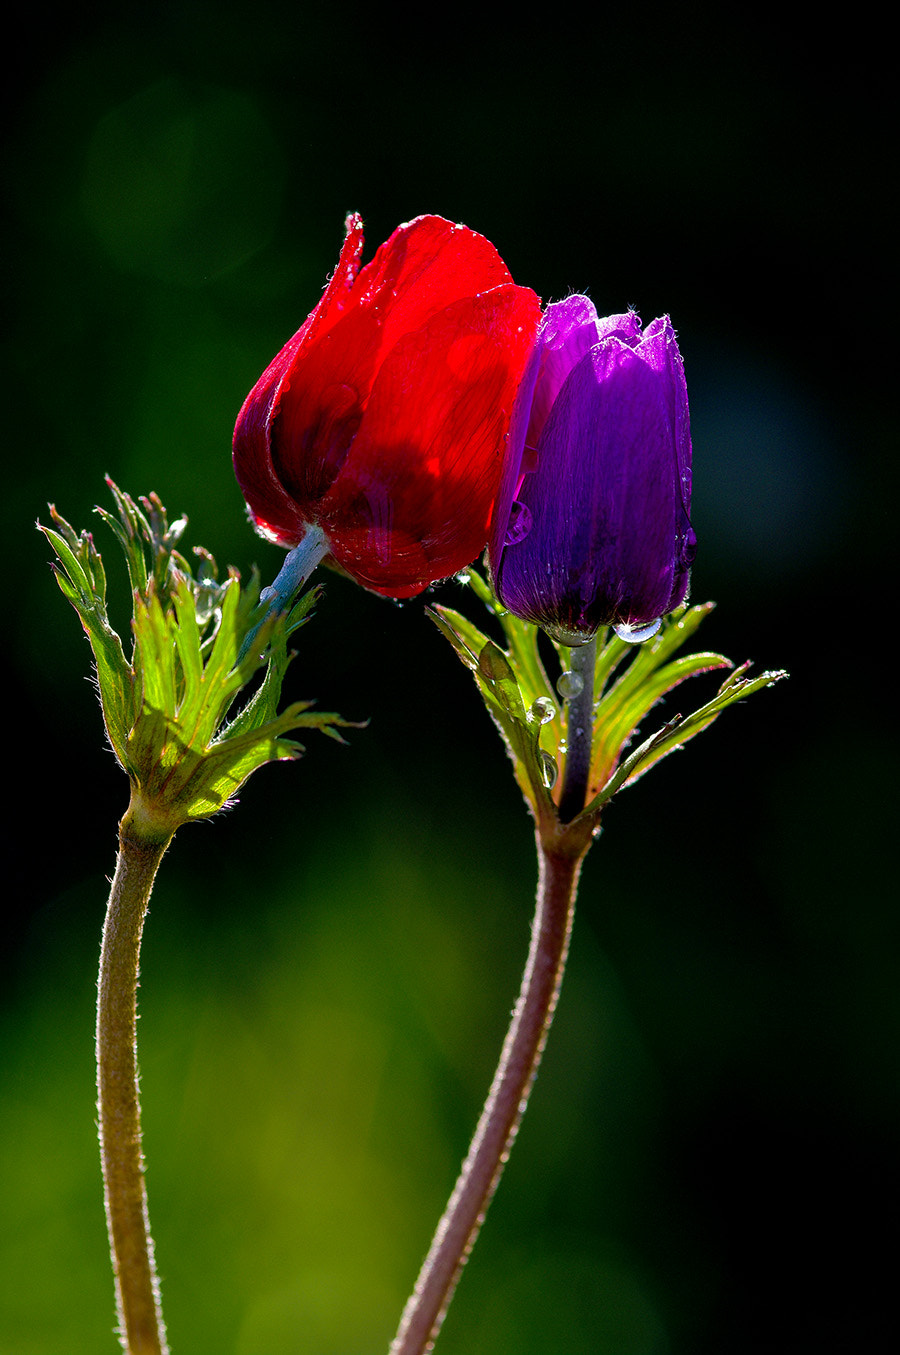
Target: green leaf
{"type": "Point", "coordinates": [679, 730]}
{"type": "Point", "coordinates": [500, 687]}
{"type": "Point", "coordinates": [629, 681]}
{"type": "Point", "coordinates": [83, 582]}
{"type": "Point", "coordinates": [522, 638]}
{"type": "Point", "coordinates": [466, 639]}
{"type": "Point", "coordinates": [165, 710]}
{"type": "Point", "coordinates": [623, 710]}
{"type": "Point", "coordinates": [494, 668]}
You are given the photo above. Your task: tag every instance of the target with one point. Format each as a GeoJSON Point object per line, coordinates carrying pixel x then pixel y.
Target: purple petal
{"type": "Point", "coordinates": [568, 331]}
{"type": "Point", "coordinates": [626, 327]}
{"type": "Point", "coordinates": [606, 495]}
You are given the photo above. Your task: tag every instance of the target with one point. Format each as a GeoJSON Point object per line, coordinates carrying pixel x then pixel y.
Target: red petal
{"type": "Point", "coordinates": [413, 499]}
{"type": "Point", "coordinates": [339, 289]}
{"type": "Point", "coordinates": [385, 416]}
{"type": "Point", "coordinates": [273, 508]}
{"type": "Point", "coordinates": [424, 267]}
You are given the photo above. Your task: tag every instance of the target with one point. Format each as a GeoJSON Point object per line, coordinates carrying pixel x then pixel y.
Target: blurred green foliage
{"type": "Point", "coordinates": [328, 969]}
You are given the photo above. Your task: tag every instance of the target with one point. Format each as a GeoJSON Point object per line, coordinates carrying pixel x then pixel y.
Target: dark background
{"type": "Point", "coordinates": [710, 1153]}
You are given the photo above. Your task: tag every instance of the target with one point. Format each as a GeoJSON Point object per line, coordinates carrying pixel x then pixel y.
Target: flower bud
{"type": "Point", "coordinates": [384, 420]}
{"type": "Point", "coordinates": [592, 523]}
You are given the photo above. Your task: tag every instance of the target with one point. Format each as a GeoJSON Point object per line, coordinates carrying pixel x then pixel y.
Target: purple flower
{"type": "Point", "coordinates": [591, 526]}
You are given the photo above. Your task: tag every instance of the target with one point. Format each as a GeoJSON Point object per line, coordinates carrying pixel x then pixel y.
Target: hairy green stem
{"type": "Point", "coordinates": [141, 1327]}
{"type": "Point", "coordinates": [559, 868]}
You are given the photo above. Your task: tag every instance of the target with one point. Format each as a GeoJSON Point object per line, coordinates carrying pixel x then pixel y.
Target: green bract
{"type": "Point", "coordinates": [165, 708]}
{"type": "Point", "coordinates": [629, 680]}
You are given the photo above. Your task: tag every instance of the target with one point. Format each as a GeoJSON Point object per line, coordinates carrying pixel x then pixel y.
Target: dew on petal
{"type": "Point", "coordinates": [519, 524]}
{"type": "Point", "coordinates": [569, 685]}
{"type": "Point", "coordinates": [541, 712]}
{"type": "Point", "coordinates": [636, 635]}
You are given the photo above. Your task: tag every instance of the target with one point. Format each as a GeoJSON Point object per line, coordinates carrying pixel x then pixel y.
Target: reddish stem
{"type": "Point", "coordinates": [559, 867]}
{"type": "Point", "coordinates": [141, 1328]}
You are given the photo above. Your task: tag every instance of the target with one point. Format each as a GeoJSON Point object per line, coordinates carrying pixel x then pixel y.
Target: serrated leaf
{"type": "Point", "coordinates": [79, 583]}
{"type": "Point", "coordinates": [629, 681]}
{"type": "Point", "coordinates": [680, 730]}
{"type": "Point", "coordinates": [625, 707]}
{"type": "Point", "coordinates": [164, 710]}
{"type": "Point", "coordinates": [114, 674]}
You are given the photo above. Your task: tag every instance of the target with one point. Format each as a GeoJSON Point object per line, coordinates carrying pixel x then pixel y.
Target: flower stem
{"type": "Point", "coordinates": [559, 867]}
{"type": "Point", "coordinates": [141, 1327]}
{"type": "Point", "coordinates": [299, 564]}
{"type": "Point", "coordinates": [573, 793]}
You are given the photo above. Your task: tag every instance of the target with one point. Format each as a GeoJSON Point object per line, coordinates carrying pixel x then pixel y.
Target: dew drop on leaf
{"type": "Point", "coordinates": [541, 712]}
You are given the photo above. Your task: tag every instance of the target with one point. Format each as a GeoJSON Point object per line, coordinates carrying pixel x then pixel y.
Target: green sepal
{"type": "Point", "coordinates": [629, 681]}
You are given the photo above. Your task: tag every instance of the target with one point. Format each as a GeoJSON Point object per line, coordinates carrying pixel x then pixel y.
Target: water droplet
{"type": "Point", "coordinates": [542, 711]}
{"type": "Point", "coordinates": [636, 635]}
{"type": "Point", "coordinates": [519, 524]}
{"type": "Point", "coordinates": [572, 638]}
{"type": "Point", "coordinates": [549, 770]}
{"type": "Point", "coordinates": [569, 685]}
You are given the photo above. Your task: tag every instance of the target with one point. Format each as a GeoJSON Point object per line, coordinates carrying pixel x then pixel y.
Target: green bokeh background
{"type": "Point", "coordinates": [711, 1148]}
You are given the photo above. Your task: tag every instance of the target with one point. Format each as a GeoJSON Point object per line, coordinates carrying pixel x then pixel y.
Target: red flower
{"type": "Point", "coordinates": [384, 420]}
